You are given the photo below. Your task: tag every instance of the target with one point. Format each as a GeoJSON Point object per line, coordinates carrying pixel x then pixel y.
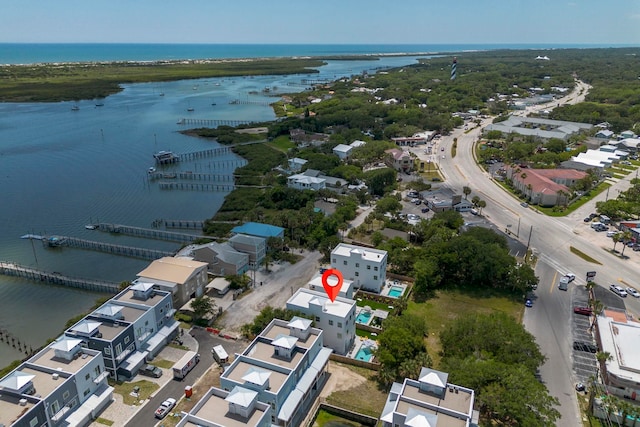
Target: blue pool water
{"type": "Point", "coordinates": [363, 317]}
{"type": "Point", "coordinates": [364, 353]}
{"type": "Point", "coordinates": [395, 291]}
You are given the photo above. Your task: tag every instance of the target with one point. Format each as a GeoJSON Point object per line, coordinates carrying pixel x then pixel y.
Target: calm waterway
{"type": "Point", "coordinates": [62, 169]}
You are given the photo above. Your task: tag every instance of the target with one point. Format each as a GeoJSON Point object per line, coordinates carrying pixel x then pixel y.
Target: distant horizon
{"type": "Point", "coordinates": [330, 44]}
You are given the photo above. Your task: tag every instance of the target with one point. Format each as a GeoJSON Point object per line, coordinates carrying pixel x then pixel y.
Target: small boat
{"type": "Point", "coordinates": [99, 104]}
{"type": "Point", "coordinates": [169, 175]}
{"type": "Point", "coordinates": [161, 93]}
{"type": "Point", "coordinates": [75, 108]}
{"type": "Point", "coordinates": [152, 169]}
{"type": "Point", "coordinates": [190, 109]}
{"type": "Point", "coordinates": [90, 226]}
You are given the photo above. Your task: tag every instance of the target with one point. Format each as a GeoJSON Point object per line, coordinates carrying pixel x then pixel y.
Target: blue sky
{"type": "Point", "coordinates": [322, 21]}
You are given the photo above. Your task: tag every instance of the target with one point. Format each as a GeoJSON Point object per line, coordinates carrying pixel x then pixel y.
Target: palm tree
{"type": "Point", "coordinates": [482, 204]}
{"type": "Point", "coordinates": [590, 285]}
{"type": "Point", "coordinates": [598, 307]}
{"type": "Point", "coordinates": [466, 190]}
{"type": "Point", "coordinates": [616, 239]}
{"type": "Point", "coordinates": [626, 237]}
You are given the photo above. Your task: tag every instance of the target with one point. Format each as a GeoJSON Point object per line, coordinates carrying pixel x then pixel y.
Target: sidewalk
{"type": "Point", "coordinates": [119, 412]}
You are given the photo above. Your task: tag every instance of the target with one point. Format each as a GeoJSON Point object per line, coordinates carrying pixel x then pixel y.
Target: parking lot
{"type": "Point", "coordinates": [584, 362]}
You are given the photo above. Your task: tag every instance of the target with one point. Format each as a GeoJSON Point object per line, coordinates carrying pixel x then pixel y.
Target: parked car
{"type": "Point", "coordinates": [165, 407]}
{"type": "Point", "coordinates": [417, 202]}
{"type": "Point", "coordinates": [587, 219]}
{"type": "Point", "coordinates": [425, 210]}
{"type": "Point", "coordinates": [441, 148]}
{"type": "Point", "coordinates": [611, 233]}
{"type": "Point", "coordinates": [580, 387]}
{"type": "Point", "coordinates": [528, 303]}
{"type": "Point", "coordinates": [618, 290]}
{"type": "Point", "coordinates": [150, 371]}
{"type": "Point", "coordinates": [631, 291]}
{"type": "Point", "coordinates": [570, 276]}
{"type": "Point", "coordinates": [586, 311]}
{"type": "Point", "coordinates": [585, 346]}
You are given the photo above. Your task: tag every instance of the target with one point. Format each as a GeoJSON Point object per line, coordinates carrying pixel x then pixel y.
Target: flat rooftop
{"type": "Point", "coordinates": [620, 338]}
{"type": "Point", "coordinates": [43, 381]}
{"type": "Point", "coordinates": [216, 410]}
{"type": "Point", "coordinates": [444, 420]}
{"type": "Point", "coordinates": [110, 330]}
{"type": "Point", "coordinates": [304, 298]}
{"type": "Point", "coordinates": [48, 359]}
{"type": "Point", "coordinates": [239, 369]}
{"type": "Point", "coordinates": [128, 297]}
{"type": "Point", "coordinates": [459, 402]}
{"type": "Point", "coordinates": [368, 254]}
{"type": "Point", "coordinates": [11, 410]}
{"type": "Point", "coordinates": [265, 351]}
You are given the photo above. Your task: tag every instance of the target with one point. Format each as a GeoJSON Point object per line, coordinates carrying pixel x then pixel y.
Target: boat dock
{"type": "Point", "coordinates": [17, 270]}
{"type": "Point", "coordinates": [215, 122]}
{"type": "Point", "coordinates": [74, 242]}
{"type": "Point", "coordinates": [182, 223]}
{"type": "Point", "coordinates": [193, 186]}
{"type": "Point", "coordinates": [194, 176]}
{"type": "Point", "coordinates": [151, 233]}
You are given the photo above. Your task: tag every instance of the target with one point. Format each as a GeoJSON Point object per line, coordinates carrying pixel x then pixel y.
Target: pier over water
{"type": "Point", "coordinates": [17, 270]}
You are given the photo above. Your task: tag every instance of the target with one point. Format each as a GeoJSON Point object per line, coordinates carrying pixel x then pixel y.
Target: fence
{"type": "Point", "coordinates": [354, 362]}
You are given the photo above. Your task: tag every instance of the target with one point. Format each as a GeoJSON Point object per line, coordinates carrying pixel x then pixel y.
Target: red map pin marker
{"type": "Point", "coordinates": [332, 289]}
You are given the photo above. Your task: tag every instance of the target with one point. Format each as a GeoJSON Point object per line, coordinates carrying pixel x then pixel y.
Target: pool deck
{"type": "Point", "coordinates": [393, 284]}
{"type": "Point", "coordinates": [359, 342]}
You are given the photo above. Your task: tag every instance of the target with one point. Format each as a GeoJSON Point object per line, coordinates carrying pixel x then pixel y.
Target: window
{"type": "Point", "coordinates": [334, 261]}
{"type": "Point", "coordinates": [107, 351]}
{"type": "Point", "coordinates": [375, 268]}
{"type": "Point", "coordinates": [357, 264]}
{"type": "Point", "coordinates": [375, 277]}
{"type": "Point", "coordinates": [330, 322]}
{"type": "Point", "coordinates": [65, 395]}
{"type": "Point", "coordinates": [33, 422]}
{"type": "Point", "coordinates": [357, 273]}
{"type": "Point", "coordinates": [118, 349]}
{"type": "Point", "coordinates": [126, 340]}
{"type": "Point", "coordinates": [339, 335]}
{"type": "Point", "coordinates": [368, 267]}
{"type": "Point", "coordinates": [345, 262]}
{"type": "Point", "coordinates": [86, 392]}
{"type": "Point", "coordinates": [97, 370]}
{"type": "Point", "coordinates": [339, 324]}
{"type": "Point", "coordinates": [317, 319]}
{"type": "Point", "coordinates": [86, 377]}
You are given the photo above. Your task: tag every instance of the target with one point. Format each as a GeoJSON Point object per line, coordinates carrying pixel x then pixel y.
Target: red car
{"type": "Point", "coordinates": [583, 310]}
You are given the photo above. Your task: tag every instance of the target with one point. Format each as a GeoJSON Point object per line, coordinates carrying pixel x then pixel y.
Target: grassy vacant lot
{"type": "Point", "coordinates": [365, 398]}
{"type": "Point", "coordinates": [282, 143]}
{"type": "Point", "coordinates": [446, 306]}
{"type": "Point", "coordinates": [147, 388]}
{"type": "Point", "coordinates": [68, 82]}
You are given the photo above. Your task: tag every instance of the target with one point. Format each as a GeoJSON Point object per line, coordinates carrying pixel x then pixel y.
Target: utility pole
{"type": "Point", "coordinates": [529, 241]}
{"type": "Point", "coordinates": [518, 231]}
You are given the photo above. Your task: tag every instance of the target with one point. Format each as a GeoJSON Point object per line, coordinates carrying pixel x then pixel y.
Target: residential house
{"type": "Point", "coordinates": [365, 267]}
{"type": "Point", "coordinates": [259, 229]}
{"type": "Point", "coordinates": [153, 322]}
{"type": "Point", "coordinates": [445, 200]}
{"type": "Point", "coordinates": [222, 258]}
{"type": "Point", "coordinates": [286, 365]}
{"type": "Point", "coordinates": [399, 160]}
{"type": "Point", "coordinates": [358, 143]}
{"type": "Point", "coordinates": [63, 384]}
{"type": "Point", "coordinates": [429, 401]}
{"type": "Point", "coordinates": [337, 318]}
{"type": "Point", "coordinates": [604, 134]}
{"type": "Point", "coordinates": [235, 408]}
{"type": "Point", "coordinates": [183, 277]}
{"type": "Point", "coordinates": [346, 290]}
{"type": "Point", "coordinates": [254, 246]}
{"type": "Point", "coordinates": [545, 187]}
{"type": "Point", "coordinates": [342, 151]}
{"type": "Point", "coordinates": [627, 144]}
{"type": "Point", "coordinates": [296, 164]}
{"type": "Point", "coordinates": [627, 134]}
{"type": "Point", "coordinates": [301, 181]}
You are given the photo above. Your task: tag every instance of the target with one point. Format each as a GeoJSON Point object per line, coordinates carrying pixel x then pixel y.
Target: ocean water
{"type": "Point", "coordinates": [61, 169]}
{"type": "Point", "coordinates": [16, 53]}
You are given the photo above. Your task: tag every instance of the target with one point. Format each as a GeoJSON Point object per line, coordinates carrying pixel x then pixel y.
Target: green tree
{"type": "Point", "coordinates": [466, 190]}
{"type": "Point", "coordinates": [203, 306]}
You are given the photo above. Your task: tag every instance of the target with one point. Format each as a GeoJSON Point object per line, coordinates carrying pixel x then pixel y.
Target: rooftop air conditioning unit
{"type": "Point", "coordinates": [23, 402]}
{"type": "Point", "coordinates": [55, 376]}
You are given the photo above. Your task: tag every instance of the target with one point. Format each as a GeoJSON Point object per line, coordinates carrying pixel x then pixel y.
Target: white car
{"type": "Point", "coordinates": [570, 276]}
{"type": "Point", "coordinates": [165, 408]}
{"type": "Point", "coordinates": [631, 291]}
{"type": "Point", "coordinates": [618, 291]}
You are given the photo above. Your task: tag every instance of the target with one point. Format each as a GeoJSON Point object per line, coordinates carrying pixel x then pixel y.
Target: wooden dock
{"type": "Point", "coordinates": [183, 223]}
{"type": "Point", "coordinates": [214, 122]}
{"type": "Point", "coordinates": [191, 176]}
{"type": "Point", "coordinates": [196, 186]}
{"type": "Point", "coordinates": [17, 270]}
{"type": "Point", "coordinates": [149, 233]}
{"type": "Point", "coordinates": [130, 251]}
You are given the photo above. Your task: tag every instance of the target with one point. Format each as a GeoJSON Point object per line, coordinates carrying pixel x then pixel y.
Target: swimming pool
{"type": "Point", "coordinates": [364, 353]}
{"type": "Point", "coordinates": [363, 317]}
{"type": "Point", "coordinates": [396, 291]}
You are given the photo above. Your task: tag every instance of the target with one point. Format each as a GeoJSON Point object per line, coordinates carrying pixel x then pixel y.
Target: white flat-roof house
{"type": "Point", "coordinates": [296, 164]}
{"type": "Point", "coordinates": [430, 401]}
{"type": "Point", "coordinates": [286, 365]}
{"type": "Point", "coordinates": [346, 290]}
{"type": "Point", "coordinates": [337, 319]}
{"type": "Point", "coordinates": [184, 277]}
{"type": "Point", "coordinates": [63, 384]}
{"type": "Point", "coordinates": [365, 267]}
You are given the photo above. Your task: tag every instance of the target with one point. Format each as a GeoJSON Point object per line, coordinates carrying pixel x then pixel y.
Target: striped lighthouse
{"type": "Point", "coordinates": [453, 68]}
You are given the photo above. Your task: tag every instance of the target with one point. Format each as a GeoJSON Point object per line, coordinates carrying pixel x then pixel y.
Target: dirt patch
{"type": "Point", "coordinates": [273, 288]}
{"type": "Point", "coordinates": [341, 378]}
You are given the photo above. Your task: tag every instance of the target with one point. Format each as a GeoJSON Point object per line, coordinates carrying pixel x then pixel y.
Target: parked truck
{"type": "Point", "coordinates": [186, 364]}
{"type": "Point", "coordinates": [220, 355]}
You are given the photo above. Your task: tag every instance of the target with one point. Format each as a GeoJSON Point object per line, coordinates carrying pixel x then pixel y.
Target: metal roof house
{"type": "Point", "coordinates": [259, 229]}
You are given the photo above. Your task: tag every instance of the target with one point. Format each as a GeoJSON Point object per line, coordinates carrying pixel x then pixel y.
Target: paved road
{"type": "Point", "coordinates": [551, 319]}
{"type": "Point", "coordinates": [145, 416]}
